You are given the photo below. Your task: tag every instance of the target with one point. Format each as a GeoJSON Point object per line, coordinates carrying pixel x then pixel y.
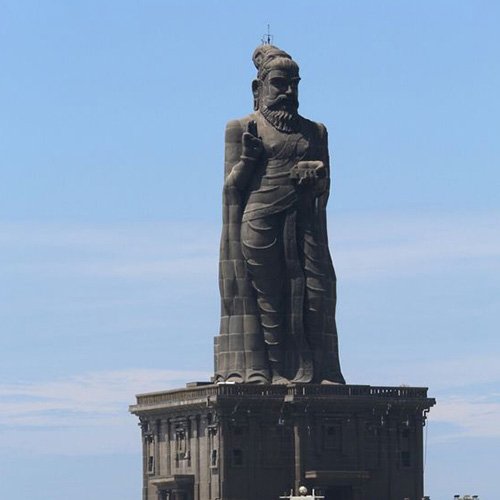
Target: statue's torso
{"type": "Point", "coordinates": [271, 188]}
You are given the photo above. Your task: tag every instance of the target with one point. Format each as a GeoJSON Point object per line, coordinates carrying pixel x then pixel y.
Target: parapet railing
{"type": "Point", "coordinates": [154, 398]}
{"type": "Point", "coordinates": [299, 390]}
{"type": "Point", "coordinates": [357, 390]}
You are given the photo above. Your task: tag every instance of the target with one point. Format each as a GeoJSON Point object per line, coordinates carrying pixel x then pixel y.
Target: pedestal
{"type": "Point", "coordinates": [247, 442]}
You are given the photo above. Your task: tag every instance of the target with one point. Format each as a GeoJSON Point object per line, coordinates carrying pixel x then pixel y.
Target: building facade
{"type": "Point", "coordinates": [242, 442]}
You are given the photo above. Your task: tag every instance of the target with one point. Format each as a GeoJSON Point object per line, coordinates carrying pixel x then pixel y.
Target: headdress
{"type": "Point", "coordinates": [267, 57]}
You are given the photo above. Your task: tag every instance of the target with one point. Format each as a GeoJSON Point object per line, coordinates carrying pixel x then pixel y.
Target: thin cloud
{"type": "Point", "coordinates": [367, 246]}
{"type": "Point", "coordinates": [145, 252]}
{"type": "Point", "coordinates": [87, 399]}
{"type": "Point", "coordinates": [84, 415]}
{"type": "Point", "coordinates": [446, 376]}
{"type": "Point", "coordinates": [364, 246]}
{"type": "Point", "coordinates": [122, 268]}
{"type": "Point", "coordinates": [474, 417]}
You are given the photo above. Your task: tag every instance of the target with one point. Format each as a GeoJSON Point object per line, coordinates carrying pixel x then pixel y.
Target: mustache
{"type": "Point", "coordinates": [283, 102]}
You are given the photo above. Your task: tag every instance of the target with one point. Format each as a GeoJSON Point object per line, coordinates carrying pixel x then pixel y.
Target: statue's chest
{"type": "Point", "coordinates": [280, 146]}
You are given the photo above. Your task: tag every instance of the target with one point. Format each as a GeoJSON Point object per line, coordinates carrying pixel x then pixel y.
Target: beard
{"type": "Point", "coordinates": [282, 114]}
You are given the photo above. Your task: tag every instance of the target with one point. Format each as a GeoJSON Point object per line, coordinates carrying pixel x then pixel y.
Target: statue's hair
{"type": "Point", "coordinates": [267, 57]}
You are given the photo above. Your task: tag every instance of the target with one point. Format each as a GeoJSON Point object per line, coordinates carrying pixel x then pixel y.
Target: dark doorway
{"type": "Point", "coordinates": [338, 493]}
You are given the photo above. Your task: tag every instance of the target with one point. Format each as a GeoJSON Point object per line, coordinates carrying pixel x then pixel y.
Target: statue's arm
{"type": "Point", "coordinates": [323, 184]}
{"type": "Point", "coordinates": [240, 155]}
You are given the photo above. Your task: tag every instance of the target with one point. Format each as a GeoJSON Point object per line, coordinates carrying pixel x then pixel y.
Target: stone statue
{"type": "Point", "coordinates": [277, 282]}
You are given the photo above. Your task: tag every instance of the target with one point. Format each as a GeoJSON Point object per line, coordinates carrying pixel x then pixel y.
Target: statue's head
{"type": "Point", "coordinates": [275, 90]}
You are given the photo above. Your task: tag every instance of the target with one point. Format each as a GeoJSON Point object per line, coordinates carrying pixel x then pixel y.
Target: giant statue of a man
{"type": "Point", "coordinates": [277, 280]}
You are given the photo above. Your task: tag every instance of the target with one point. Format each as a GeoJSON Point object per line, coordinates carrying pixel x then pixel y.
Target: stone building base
{"type": "Point", "coordinates": [248, 442]}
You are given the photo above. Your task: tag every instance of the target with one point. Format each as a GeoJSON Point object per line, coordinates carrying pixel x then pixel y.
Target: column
{"type": "Point", "coordinates": [195, 453]}
{"type": "Point", "coordinates": [298, 451]}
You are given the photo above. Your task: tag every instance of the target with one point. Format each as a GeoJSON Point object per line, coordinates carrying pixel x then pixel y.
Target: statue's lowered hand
{"type": "Point", "coordinates": [252, 146]}
{"type": "Point", "coordinates": [308, 172]}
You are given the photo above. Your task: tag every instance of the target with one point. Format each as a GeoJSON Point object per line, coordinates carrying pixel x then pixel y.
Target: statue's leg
{"type": "Point", "coordinates": [319, 310]}
{"type": "Point", "coordinates": [262, 248]}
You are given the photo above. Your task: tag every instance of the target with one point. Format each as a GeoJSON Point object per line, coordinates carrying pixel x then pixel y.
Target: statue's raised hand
{"type": "Point", "coordinates": [252, 146]}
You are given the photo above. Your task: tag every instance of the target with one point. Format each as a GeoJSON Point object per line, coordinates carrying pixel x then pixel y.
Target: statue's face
{"type": "Point", "coordinates": [280, 91]}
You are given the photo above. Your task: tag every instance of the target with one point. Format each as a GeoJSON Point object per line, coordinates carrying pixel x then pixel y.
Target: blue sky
{"type": "Point", "coordinates": [111, 144]}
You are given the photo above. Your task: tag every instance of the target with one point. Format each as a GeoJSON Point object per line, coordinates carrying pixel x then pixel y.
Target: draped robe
{"type": "Point", "coordinates": [310, 348]}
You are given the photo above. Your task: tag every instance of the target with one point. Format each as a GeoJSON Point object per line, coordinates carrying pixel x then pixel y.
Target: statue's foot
{"type": "Point", "coordinates": [257, 379]}
{"type": "Point", "coordinates": [303, 379]}
{"type": "Point", "coordinates": [329, 382]}
{"type": "Point", "coordinates": [279, 379]}
{"type": "Point", "coordinates": [305, 373]}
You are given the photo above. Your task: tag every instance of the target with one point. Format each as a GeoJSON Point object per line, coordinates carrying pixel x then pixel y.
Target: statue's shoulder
{"type": "Point", "coordinates": [321, 129]}
{"type": "Point", "coordinates": [314, 128]}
